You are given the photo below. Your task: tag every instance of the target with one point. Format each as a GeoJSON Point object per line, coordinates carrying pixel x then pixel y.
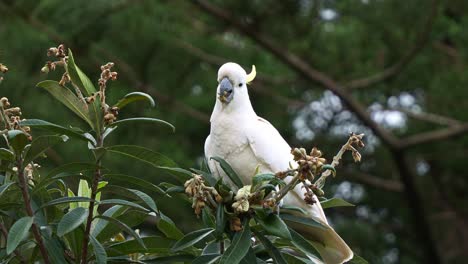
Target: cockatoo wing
{"type": "Point", "coordinates": [274, 155]}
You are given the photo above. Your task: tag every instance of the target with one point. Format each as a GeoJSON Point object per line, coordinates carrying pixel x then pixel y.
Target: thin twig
{"type": "Point", "coordinates": [395, 69]}
{"type": "Point", "coordinates": [27, 203]}
{"type": "Point", "coordinates": [94, 189]}
{"type": "Point", "coordinates": [430, 117]}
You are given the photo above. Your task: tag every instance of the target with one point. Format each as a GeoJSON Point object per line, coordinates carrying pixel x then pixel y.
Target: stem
{"type": "Point", "coordinates": [27, 202]}
{"type": "Point", "coordinates": [336, 161]}
{"type": "Point", "coordinates": [221, 246]}
{"type": "Point", "coordinates": [94, 185]}
{"type": "Point", "coordinates": [5, 234]}
{"type": "Point", "coordinates": [287, 188]}
{"type": "Point", "coordinates": [4, 117]}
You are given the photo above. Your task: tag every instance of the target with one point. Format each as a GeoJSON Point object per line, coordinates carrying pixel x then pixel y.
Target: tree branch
{"type": "Point", "coordinates": [374, 181]}
{"type": "Point", "coordinates": [302, 68]}
{"type": "Point", "coordinates": [421, 41]}
{"type": "Point", "coordinates": [430, 117]}
{"type": "Point", "coordinates": [433, 136]}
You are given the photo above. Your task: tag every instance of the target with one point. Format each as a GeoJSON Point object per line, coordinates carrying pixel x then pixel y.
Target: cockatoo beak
{"type": "Point", "coordinates": [226, 91]}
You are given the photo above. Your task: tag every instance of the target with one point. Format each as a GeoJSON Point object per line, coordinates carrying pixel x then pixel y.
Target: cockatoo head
{"type": "Point", "coordinates": [233, 81]}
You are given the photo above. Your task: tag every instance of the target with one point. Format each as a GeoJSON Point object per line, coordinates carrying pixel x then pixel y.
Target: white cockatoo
{"type": "Point", "coordinates": [250, 143]}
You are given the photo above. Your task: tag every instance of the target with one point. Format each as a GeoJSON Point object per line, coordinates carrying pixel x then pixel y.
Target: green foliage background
{"type": "Point", "coordinates": [172, 50]}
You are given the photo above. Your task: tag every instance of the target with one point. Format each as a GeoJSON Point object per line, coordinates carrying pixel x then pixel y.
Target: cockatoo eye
{"type": "Point", "coordinates": [240, 84]}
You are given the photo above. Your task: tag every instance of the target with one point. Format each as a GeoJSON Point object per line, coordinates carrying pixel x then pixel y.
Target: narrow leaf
{"type": "Point", "coordinates": [229, 171]}
{"type": "Point", "coordinates": [17, 232]}
{"type": "Point", "coordinates": [17, 140]}
{"type": "Point", "coordinates": [53, 128]}
{"type": "Point", "coordinates": [63, 200]}
{"type": "Point", "coordinates": [274, 226]}
{"type": "Point", "coordinates": [123, 202]}
{"type": "Point", "coordinates": [6, 154]}
{"type": "Point", "coordinates": [41, 144]}
{"type": "Point", "coordinates": [124, 227]}
{"type": "Point", "coordinates": [142, 120]}
{"type": "Point", "coordinates": [67, 98]}
{"type": "Point", "coordinates": [71, 220]}
{"type": "Point", "coordinates": [206, 259]}
{"type": "Point", "coordinates": [125, 180]}
{"type": "Point", "coordinates": [273, 251]}
{"type": "Point", "coordinates": [168, 227]}
{"type": "Point", "coordinates": [239, 246]}
{"type": "Point", "coordinates": [303, 220]}
{"type": "Point", "coordinates": [154, 245]}
{"type": "Point", "coordinates": [99, 251]}
{"type": "Point", "coordinates": [135, 96]}
{"type": "Point", "coordinates": [143, 154]}
{"type": "Point", "coordinates": [191, 238]}
{"type": "Point", "coordinates": [4, 188]}
{"type": "Point", "coordinates": [334, 202]}
{"type": "Point", "coordinates": [303, 245]}
{"type": "Point", "coordinates": [78, 77]}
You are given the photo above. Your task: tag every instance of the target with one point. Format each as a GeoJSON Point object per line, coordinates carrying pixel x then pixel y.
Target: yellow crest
{"type": "Point", "coordinates": [252, 74]}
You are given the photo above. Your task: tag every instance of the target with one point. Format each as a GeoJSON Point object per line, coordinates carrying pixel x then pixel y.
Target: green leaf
{"type": "Point", "coordinates": [239, 246]}
{"type": "Point", "coordinates": [123, 202]}
{"type": "Point", "coordinates": [111, 212]}
{"type": "Point", "coordinates": [220, 221]}
{"type": "Point", "coordinates": [286, 209]}
{"type": "Point", "coordinates": [303, 245]}
{"type": "Point", "coordinates": [334, 202]}
{"type": "Point", "coordinates": [83, 191]}
{"type": "Point", "coordinates": [146, 199]}
{"type": "Point", "coordinates": [125, 180]}
{"type": "Point", "coordinates": [53, 128]}
{"type": "Point", "coordinates": [191, 238]}
{"type": "Point", "coordinates": [84, 84]}
{"type": "Point", "coordinates": [64, 200]}
{"type": "Point", "coordinates": [358, 260]}
{"type": "Point", "coordinates": [302, 220]}
{"type": "Point", "coordinates": [206, 259]}
{"type": "Point", "coordinates": [124, 227]}
{"type": "Point", "coordinates": [250, 257]}
{"type": "Point", "coordinates": [274, 225]}
{"type": "Point", "coordinates": [259, 178]}
{"type": "Point", "coordinates": [78, 77]}
{"type": "Point", "coordinates": [99, 251]}
{"type": "Point", "coordinates": [69, 99]}
{"type": "Point", "coordinates": [143, 154]}
{"type": "Point", "coordinates": [131, 193]}
{"type": "Point", "coordinates": [142, 120]}
{"type": "Point", "coordinates": [18, 232]}
{"type": "Point", "coordinates": [6, 154]}
{"type": "Point", "coordinates": [17, 140]}
{"type": "Point", "coordinates": [229, 171]}
{"type": "Point", "coordinates": [40, 144]}
{"type": "Point", "coordinates": [154, 245]}
{"type": "Point", "coordinates": [168, 227]}
{"type": "Point", "coordinates": [132, 97]}
{"type": "Point", "coordinates": [4, 187]}
{"type": "Point", "coordinates": [207, 218]}
{"type": "Point", "coordinates": [273, 251]}
{"type": "Point", "coordinates": [71, 220]}
{"type": "Point", "coordinates": [74, 167]}
{"type": "Point", "coordinates": [55, 249]}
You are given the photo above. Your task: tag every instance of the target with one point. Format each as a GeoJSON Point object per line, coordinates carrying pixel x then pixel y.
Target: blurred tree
{"type": "Point", "coordinates": [395, 70]}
